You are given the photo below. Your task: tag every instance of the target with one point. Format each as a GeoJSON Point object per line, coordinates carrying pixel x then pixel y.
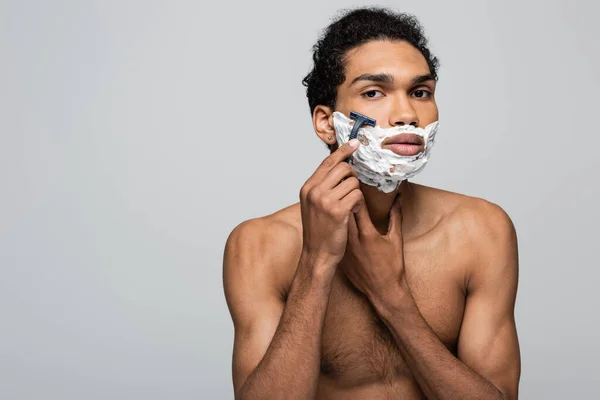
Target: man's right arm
{"type": "Point", "coordinates": [277, 346]}
{"type": "Point", "coordinates": [277, 349]}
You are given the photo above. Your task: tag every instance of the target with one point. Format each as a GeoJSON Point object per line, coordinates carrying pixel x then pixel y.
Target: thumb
{"type": "Point", "coordinates": [363, 219]}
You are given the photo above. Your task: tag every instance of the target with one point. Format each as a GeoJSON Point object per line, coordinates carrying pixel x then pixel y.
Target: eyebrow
{"type": "Point", "coordinates": [422, 78]}
{"type": "Point", "coordinates": [389, 79]}
{"type": "Point", "coordinates": [381, 78]}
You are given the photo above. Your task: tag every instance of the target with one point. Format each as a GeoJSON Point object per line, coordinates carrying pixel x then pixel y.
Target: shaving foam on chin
{"type": "Point", "coordinates": [380, 167]}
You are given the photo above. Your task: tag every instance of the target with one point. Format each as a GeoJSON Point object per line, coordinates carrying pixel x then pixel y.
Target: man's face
{"type": "Point", "coordinates": [389, 81]}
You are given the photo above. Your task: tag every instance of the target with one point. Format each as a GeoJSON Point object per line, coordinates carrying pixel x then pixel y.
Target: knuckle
{"type": "Point", "coordinates": [339, 213]}
{"type": "Point", "coordinates": [304, 190]}
{"type": "Point", "coordinates": [338, 170]}
{"type": "Point", "coordinates": [357, 195]}
{"type": "Point", "coordinates": [354, 182]}
{"type": "Point", "coordinates": [312, 195]}
{"type": "Point", "coordinates": [328, 162]}
{"type": "Point", "coordinates": [326, 203]}
{"type": "Point", "coordinates": [331, 206]}
{"type": "Point", "coordinates": [347, 168]}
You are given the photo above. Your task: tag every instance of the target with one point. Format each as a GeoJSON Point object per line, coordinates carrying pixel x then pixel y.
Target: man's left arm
{"type": "Point", "coordinates": [488, 364]}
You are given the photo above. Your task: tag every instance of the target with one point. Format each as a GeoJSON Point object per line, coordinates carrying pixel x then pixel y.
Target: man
{"type": "Point", "coordinates": [355, 293]}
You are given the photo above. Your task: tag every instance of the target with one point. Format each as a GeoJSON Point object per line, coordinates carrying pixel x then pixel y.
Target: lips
{"type": "Point", "coordinates": [404, 138]}
{"type": "Point", "coordinates": [404, 144]}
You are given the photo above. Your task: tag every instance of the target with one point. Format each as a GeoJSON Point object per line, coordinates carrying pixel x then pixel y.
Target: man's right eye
{"type": "Point", "coordinates": [372, 94]}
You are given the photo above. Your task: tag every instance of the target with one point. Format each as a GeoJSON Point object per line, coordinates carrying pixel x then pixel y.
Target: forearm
{"type": "Point", "coordinates": [291, 365]}
{"type": "Point", "coordinates": [439, 373]}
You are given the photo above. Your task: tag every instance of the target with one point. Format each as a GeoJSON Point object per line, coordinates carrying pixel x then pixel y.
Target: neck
{"type": "Point", "coordinates": [379, 203]}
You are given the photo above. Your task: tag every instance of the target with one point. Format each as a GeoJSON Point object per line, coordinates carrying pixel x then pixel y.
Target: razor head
{"type": "Point", "coordinates": [360, 121]}
{"type": "Point", "coordinates": [363, 119]}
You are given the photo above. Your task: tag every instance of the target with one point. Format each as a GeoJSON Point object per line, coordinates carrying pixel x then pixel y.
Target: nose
{"type": "Point", "coordinates": [403, 113]}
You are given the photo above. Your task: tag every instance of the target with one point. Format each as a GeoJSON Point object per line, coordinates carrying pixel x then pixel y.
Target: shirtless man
{"type": "Point", "coordinates": [354, 293]}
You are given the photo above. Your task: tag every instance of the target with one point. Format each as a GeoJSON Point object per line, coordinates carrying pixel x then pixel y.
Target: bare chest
{"type": "Point", "coordinates": [358, 348]}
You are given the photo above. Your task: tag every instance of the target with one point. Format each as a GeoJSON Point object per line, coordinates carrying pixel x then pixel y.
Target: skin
{"type": "Point", "coordinates": [354, 293]}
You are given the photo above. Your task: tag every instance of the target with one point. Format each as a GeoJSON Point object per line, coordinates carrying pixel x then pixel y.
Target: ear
{"type": "Point", "coordinates": [323, 124]}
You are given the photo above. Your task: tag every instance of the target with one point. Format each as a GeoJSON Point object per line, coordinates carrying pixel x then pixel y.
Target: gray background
{"type": "Point", "coordinates": [136, 134]}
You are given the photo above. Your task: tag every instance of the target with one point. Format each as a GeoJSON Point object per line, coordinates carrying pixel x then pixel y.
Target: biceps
{"type": "Point", "coordinates": [488, 341]}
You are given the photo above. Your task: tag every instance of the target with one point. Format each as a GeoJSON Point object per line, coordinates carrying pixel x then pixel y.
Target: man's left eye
{"type": "Point", "coordinates": [421, 94]}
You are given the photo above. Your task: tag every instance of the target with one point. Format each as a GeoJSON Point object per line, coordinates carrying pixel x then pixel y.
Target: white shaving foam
{"type": "Point", "coordinates": [380, 167]}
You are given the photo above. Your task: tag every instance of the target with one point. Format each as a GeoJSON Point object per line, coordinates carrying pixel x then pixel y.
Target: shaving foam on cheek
{"type": "Point", "coordinates": [380, 167]}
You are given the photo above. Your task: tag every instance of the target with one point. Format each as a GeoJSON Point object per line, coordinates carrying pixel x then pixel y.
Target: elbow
{"type": "Point", "coordinates": [242, 393]}
{"type": "Point", "coordinates": [239, 395]}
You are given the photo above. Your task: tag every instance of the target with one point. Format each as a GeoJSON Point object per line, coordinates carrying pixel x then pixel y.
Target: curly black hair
{"type": "Point", "coordinates": [350, 30]}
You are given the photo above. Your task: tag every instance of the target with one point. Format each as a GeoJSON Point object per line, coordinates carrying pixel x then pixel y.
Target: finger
{"type": "Point", "coordinates": [336, 175]}
{"type": "Point", "coordinates": [395, 227]}
{"type": "Point", "coordinates": [345, 187]}
{"type": "Point", "coordinates": [352, 200]}
{"type": "Point", "coordinates": [363, 221]}
{"type": "Point", "coordinates": [335, 158]}
{"type": "Point", "coordinates": [345, 150]}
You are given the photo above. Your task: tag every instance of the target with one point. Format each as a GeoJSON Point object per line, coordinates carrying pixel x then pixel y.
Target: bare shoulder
{"type": "Point", "coordinates": [476, 219]}
{"type": "Point", "coordinates": [272, 237]}
{"type": "Point", "coordinates": [482, 230]}
{"type": "Point", "coordinates": [486, 225]}
{"type": "Point", "coordinates": [483, 233]}
{"type": "Point", "coordinates": [264, 249]}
